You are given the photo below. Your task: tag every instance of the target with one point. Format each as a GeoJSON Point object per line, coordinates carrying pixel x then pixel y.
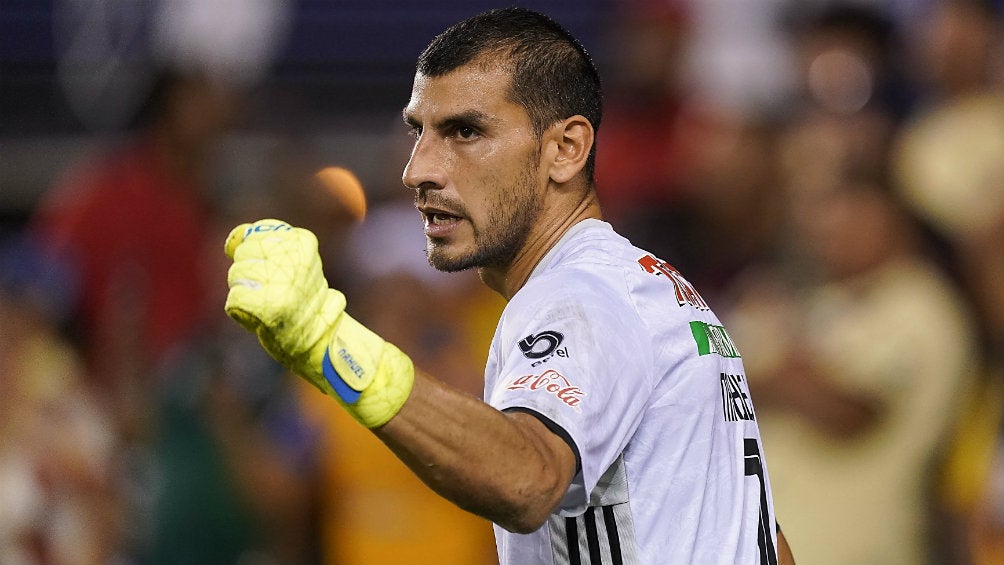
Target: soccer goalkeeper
{"type": "Point", "coordinates": [616, 426]}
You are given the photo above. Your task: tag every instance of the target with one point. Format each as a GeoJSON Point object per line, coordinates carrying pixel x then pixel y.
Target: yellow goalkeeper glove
{"type": "Point", "coordinates": [278, 291]}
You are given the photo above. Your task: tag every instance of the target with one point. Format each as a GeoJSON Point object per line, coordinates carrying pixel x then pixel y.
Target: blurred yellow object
{"type": "Point", "coordinates": [373, 509]}
{"type": "Point", "coordinates": [972, 447]}
{"type": "Point", "coordinates": [346, 188]}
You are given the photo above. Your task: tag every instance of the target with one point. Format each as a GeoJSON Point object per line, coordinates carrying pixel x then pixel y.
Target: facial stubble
{"type": "Point", "coordinates": [510, 218]}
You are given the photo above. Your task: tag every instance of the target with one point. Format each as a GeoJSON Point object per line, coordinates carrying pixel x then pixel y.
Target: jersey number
{"type": "Point", "coordinates": [754, 467]}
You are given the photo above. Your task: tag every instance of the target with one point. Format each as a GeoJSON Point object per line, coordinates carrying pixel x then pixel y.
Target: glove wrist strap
{"type": "Point", "coordinates": [370, 377]}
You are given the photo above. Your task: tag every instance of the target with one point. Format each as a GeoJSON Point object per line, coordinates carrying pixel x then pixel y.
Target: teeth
{"type": "Point", "coordinates": [441, 218]}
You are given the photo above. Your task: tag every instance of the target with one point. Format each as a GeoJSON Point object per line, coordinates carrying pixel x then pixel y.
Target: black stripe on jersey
{"type": "Point", "coordinates": [610, 521]}
{"type": "Point", "coordinates": [558, 430]}
{"type": "Point", "coordinates": [594, 538]}
{"type": "Point", "coordinates": [572, 541]}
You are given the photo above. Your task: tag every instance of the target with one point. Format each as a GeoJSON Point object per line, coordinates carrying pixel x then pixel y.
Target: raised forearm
{"type": "Point", "coordinates": [508, 468]}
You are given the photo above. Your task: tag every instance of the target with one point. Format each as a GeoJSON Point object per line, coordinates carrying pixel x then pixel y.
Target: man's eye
{"type": "Point", "coordinates": [415, 132]}
{"type": "Point", "coordinates": [466, 132]}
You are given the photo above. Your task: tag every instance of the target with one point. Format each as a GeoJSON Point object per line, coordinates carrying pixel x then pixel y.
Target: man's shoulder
{"type": "Point", "coordinates": [585, 282]}
{"type": "Point", "coordinates": [592, 245]}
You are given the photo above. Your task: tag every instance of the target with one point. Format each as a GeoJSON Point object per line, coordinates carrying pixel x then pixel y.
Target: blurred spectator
{"type": "Point", "coordinates": [849, 57]}
{"type": "Point", "coordinates": [730, 217]}
{"type": "Point", "coordinates": [215, 459]}
{"type": "Point", "coordinates": [948, 157]}
{"type": "Point", "coordinates": [686, 175]}
{"type": "Point", "coordinates": [131, 224]}
{"type": "Point", "coordinates": [233, 458]}
{"type": "Point", "coordinates": [57, 493]}
{"type": "Point", "coordinates": [644, 147]}
{"type": "Point", "coordinates": [949, 167]}
{"type": "Point", "coordinates": [859, 375]}
{"type": "Point", "coordinates": [955, 49]}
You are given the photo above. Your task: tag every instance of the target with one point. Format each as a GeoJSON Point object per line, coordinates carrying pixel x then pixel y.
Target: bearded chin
{"type": "Point", "coordinates": [496, 246]}
{"type": "Point", "coordinates": [497, 253]}
{"type": "Point", "coordinates": [441, 260]}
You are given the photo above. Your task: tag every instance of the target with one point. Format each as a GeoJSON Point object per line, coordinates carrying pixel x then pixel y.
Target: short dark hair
{"type": "Point", "coordinates": [552, 75]}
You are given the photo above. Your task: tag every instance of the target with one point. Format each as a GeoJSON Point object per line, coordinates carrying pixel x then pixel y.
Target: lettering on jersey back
{"type": "Point", "coordinates": [735, 398]}
{"type": "Point", "coordinates": [685, 292]}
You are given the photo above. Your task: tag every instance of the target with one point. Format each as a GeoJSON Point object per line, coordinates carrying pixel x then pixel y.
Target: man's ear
{"type": "Point", "coordinates": [571, 140]}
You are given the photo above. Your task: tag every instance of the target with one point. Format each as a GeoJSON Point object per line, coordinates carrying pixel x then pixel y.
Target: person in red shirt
{"type": "Point", "coordinates": [131, 225]}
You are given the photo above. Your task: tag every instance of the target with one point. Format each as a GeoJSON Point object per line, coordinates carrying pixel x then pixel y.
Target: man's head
{"type": "Point", "coordinates": [552, 75]}
{"type": "Point", "coordinates": [503, 109]}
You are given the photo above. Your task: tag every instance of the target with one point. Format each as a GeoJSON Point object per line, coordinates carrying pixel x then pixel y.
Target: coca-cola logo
{"type": "Point", "coordinates": [550, 382]}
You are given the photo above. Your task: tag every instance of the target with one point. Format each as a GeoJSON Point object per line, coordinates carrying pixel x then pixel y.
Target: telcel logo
{"type": "Point", "coordinates": [560, 352]}
{"type": "Point", "coordinates": [542, 345]}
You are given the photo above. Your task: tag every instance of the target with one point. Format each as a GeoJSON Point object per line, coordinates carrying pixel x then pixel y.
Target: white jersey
{"type": "Point", "coordinates": [616, 352]}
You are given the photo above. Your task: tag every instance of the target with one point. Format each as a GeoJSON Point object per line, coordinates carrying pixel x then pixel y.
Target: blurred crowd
{"type": "Point", "coordinates": [830, 175]}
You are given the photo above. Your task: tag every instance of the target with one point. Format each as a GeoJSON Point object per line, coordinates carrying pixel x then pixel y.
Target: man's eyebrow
{"type": "Point", "coordinates": [472, 117]}
{"type": "Point", "coordinates": [466, 118]}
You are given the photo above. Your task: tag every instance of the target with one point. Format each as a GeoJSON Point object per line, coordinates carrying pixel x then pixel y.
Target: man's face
{"type": "Point", "coordinates": [475, 168]}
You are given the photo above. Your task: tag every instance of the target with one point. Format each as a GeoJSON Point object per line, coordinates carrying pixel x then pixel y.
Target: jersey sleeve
{"type": "Point", "coordinates": [573, 353]}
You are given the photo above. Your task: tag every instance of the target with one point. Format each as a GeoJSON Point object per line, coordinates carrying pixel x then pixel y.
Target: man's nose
{"type": "Point", "coordinates": [425, 167]}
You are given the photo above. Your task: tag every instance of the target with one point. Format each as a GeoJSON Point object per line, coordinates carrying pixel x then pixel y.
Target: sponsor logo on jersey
{"type": "Point", "coordinates": [539, 345]}
{"type": "Point", "coordinates": [685, 292]}
{"type": "Point", "coordinates": [542, 346]}
{"type": "Point", "coordinates": [712, 339]}
{"type": "Point", "coordinates": [553, 383]}
{"type": "Point", "coordinates": [735, 398]}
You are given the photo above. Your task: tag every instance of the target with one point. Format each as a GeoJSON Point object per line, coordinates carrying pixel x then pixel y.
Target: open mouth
{"type": "Point", "coordinates": [440, 219]}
